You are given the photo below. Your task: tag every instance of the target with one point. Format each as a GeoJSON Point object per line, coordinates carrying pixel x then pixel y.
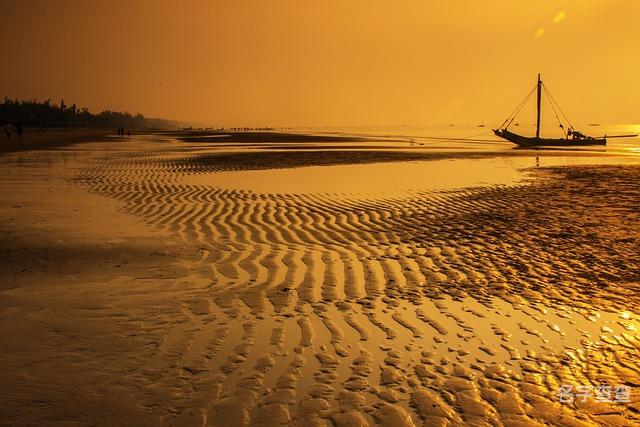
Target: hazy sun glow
{"type": "Point", "coordinates": [559, 17]}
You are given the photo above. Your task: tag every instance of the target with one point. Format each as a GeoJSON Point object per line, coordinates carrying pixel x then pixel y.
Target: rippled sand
{"type": "Point", "coordinates": [135, 293]}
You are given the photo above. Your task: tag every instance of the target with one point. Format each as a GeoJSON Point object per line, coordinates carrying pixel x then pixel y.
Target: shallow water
{"type": "Point", "coordinates": [483, 138]}
{"type": "Point", "coordinates": [378, 179]}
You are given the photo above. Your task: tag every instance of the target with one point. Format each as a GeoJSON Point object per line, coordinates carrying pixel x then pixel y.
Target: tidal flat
{"type": "Point", "coordinates": [317, 282]}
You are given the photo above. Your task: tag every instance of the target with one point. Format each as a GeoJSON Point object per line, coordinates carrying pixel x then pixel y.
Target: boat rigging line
{"type": "Point", "coordinates": [555, 112]}
{"type": "Point", "coordinates": [515, 112]}
{"type": "Point", "coordinates": [461, 139]}
{"type": "Point", "coordinates": [553, 101]}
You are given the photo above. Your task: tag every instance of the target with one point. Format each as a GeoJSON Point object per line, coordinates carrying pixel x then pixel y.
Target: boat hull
{"type": "Point", "coordinates": [525, 141]}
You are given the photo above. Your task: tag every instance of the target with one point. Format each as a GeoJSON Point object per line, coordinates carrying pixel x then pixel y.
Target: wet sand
{"type": "Point", "coordinates": [260, 137]}
{"type": "Point", "coordinates": [139, 288]}
{"type": "Point", "coordinates": [43, 139]}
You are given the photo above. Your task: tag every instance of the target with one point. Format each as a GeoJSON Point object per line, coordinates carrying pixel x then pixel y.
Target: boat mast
{"type": "Point", "coordinates": [539, 97]}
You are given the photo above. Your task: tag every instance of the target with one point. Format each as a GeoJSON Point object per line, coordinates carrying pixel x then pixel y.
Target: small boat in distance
{"type": "Point", "coordinates": [571, 138]}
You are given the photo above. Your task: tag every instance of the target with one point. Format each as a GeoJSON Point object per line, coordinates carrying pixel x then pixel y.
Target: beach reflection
{"type": "Point", "coordinates": [394, 178]}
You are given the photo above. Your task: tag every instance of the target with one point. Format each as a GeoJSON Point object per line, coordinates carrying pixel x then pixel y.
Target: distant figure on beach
{"type": "Point", "coordinates": [128, 133]}
{"type": "Point", "coordinates": [7, 131]}
{"type": "Point", "coordinates": [19, 131]}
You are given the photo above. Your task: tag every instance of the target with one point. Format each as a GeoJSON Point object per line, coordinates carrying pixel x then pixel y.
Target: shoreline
{"type": "Point", "coordinates": [34, 139]}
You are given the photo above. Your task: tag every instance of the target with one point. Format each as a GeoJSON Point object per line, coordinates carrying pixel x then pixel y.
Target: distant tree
{"type": "Point", "coordinates": [44, 115]}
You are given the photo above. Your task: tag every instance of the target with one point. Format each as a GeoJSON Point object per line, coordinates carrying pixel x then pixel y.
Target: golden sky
{"type": "Point", "coordinates": [330, 62]}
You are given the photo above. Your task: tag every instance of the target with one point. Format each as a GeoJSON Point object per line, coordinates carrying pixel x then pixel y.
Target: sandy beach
{"type": "Point", "coordinates": [49, 138]}
{"type": "Point", "coordinates": [172, 280]}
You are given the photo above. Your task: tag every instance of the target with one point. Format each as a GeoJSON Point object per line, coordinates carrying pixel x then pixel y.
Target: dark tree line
{"type": "Point", "coordinates": [45, 114]}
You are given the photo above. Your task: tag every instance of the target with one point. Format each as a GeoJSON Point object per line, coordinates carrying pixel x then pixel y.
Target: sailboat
{"type": "Point", "coordinates": [572, 137]}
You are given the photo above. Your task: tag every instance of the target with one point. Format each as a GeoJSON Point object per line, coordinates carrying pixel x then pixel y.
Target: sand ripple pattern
{"type": "Point", "coordinates": [462, 307]}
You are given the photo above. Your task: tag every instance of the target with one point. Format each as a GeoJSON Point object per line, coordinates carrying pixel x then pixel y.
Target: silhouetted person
{"type": "Point", "coordinates": [7, 131]}
{"type": "Point", "coordinates": [19, 131]}
{"type": "Point", "coordinates": [128, 133]}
